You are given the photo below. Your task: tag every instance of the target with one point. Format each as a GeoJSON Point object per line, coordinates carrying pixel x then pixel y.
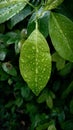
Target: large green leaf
{"type": "Point", "coordinates": [51, 4]}
{"type": "Point", "coordinates": [9, 8]}
{"type": "Point", "coordinates": [61, 33]}
{"type": "Point", "coordinates": [35, 61]}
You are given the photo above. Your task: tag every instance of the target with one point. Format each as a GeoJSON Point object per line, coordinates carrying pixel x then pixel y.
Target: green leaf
{"type": "Point", "coordinates": [53, 96]}
{"type": "Point", "coordinates": [19, 17]}
{"type": "Point", "coordinates": [25, 92]}
{"type": "Point", "coordinates": [19, 101]}
{"type": "Point", "coordinates": [3, 52]}
{"type": "Point", "coordinates": [51, 4]}
{"type": "Point", "coordinates": [9, 8]}
{"type": "Point", "coordinates": [9, 69]}
{"type": "Point", "coordinates": [67, 69]}
{"type": "Point", "coordinates": [5, 3]}
{"type": "Point", "coordinates": [3, 76]}
{"type": "Point", "coordinates": [10, 38]}
{"type": "Point", "coordinates": [52, 127]}
{"type": "Point", "coordinates": [61, 33]}
{"type": "Point", "coordinates": [42, 97]}
{"type": "Point", "coordinates": [49, 101]}
{"type": "Point", "coordinates": [35, 62]}
{"type": "Point", "coordinates": [61, 116]}
{"type": "Point", "coordinates": [60, 62]}
{"type": "Point", "coordinates": [42, 127]}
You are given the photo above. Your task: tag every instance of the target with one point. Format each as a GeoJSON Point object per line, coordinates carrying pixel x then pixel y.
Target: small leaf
{"type": "Point", "coordinates": [35, 62]}
{"type": "Point", "coordinates": [52, 127]}
{"type": "Point", "coordinates": [67, 69]}
{"type": "Point", "coordinates": [10, 8]}
{"type": "Point", "coordinates": [10, 81]}
{"type": "Point", "coordinates": [42, 96]}
{"type": "Point", "coordinates": [51, 4]}
{"type": "Point", "coordinates": [3, 76]}
{"type": "Point", "coordinates": [19, 101]}
{"type": "Point", "coordinates": [25, 92]}
{"type": "Point", "coordinates": [9, 69]}
{"type": "Point", "coordinates": [52, 94]}
{"type": "Point", "coordinates": [60, 62]}
{"type": "Point", "coordinates": [49, 101]}
{"type": "Point", "coordinates": [61, 33]}
{"type": "Point", "coordinates": [42, 127]}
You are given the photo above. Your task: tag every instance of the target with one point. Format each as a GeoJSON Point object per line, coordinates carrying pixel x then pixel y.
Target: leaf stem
{"type": "Point", "coordinates": [31, 5]}
{"type": "Point", "coordinates": [36, 24]}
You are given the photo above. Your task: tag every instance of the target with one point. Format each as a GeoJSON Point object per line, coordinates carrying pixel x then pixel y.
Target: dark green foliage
{"type": "Point", "coordinates": [20, 109]}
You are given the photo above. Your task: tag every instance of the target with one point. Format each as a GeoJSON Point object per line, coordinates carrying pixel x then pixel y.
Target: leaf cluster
{"type": "Point", "coordinates": [19, 107]}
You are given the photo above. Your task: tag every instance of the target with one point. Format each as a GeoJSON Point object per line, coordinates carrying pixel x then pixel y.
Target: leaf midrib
{"type": "Point", "coordinates": [36, 70]}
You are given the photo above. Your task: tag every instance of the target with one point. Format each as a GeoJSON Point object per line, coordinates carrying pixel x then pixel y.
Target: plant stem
{"type": "Point", "coordinates": [31, 5]}
{"type": "Point", "coordinates": [36, 24]}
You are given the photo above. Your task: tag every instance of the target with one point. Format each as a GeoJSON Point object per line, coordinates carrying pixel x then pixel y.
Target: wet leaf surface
{"type": "Point", "coordinates": [9, 8]}
{"type": "Point", "coordinates": [35, 61]}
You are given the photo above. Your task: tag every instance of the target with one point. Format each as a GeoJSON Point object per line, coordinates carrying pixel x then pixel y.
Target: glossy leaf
{"type": "Point", "coordinates": [9, 8]}
{"type": "Point", "coordinates": [9, 69]}
{"type": "Point", "coordinates": [51, 4]}
{"type": "Point", "coordinates": [61, 33]}
{"type": "Point", "coordinates": [5, 3]}
{"type": "Point", "coordinates": [19, 17]}
{"type": "Point", "coordinates": [35, 61]}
